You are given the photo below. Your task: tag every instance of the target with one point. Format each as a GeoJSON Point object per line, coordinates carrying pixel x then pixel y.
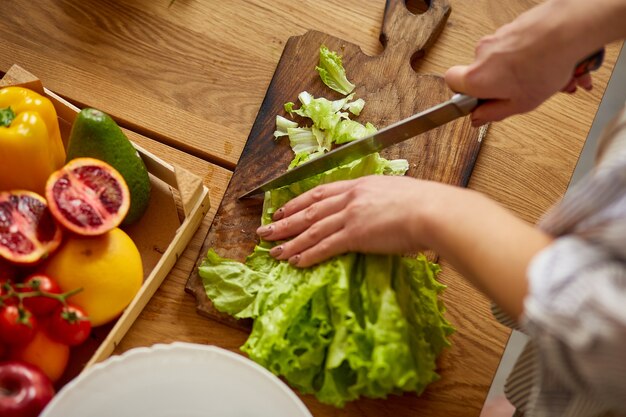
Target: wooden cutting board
{"type": "Point", "coordinates": [392, 90]}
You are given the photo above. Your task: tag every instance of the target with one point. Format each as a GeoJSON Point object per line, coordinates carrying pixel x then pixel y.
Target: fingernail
{"type": "Point", "coordinates": [294, 260]}
{"type": "Point", "coordinates": [279, 214]}
{"type": "Point", "coordinates": [276, 251]}
{"type": "Point", "coordinates": [265, 230]}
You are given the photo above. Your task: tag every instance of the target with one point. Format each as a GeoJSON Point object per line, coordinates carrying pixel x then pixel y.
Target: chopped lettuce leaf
{"type": "Point", "coordinates": [282, 124]}
{"type": "Point", "coordinates": [307, 143]}
{"type": "Point", "coordinates": [355, 107]}
{"type": "Point", "coordinates": [298, 159]}
{"type": "Point", "coordinates": [305, 98]}
{"type": "Point", "coordinates": [302, 139]}
{"type": "Point", "coordinates": [303, 157]}
{"type": "Point", "coordinates": [355, 325]}
{"type": "Point", "coordinates": [289, 107]}
{"type": "Point", "coordinates": [349, 130]}
{"type": "Point", "coordinates": [332, 72]}
{"type": "Point", "coordinates": [372, 164]}
{"type": "Point", "coordinates": [396, 167]}
{"type": "Point", "coordinates": [323, 140]}
{"type": "Point", "coordinates": [324, 113]}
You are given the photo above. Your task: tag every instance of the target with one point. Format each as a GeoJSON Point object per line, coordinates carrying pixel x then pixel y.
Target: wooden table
{"type": "Point", "coordinates": [189, 76]}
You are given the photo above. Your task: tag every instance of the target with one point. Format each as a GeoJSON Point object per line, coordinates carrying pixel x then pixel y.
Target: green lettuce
{"type": "Point", "coordinates": [355, 325]}
{"type": "Point", "coordinates": [324, 113]}
{"type": "Point", "coordinates": [331, 123]}
{"type": "Point", "coordinates": [332, 72]}
{"type": "Point", "coordinates": [282, 125]}
{"type": "Point", "coordinates": [355, 107]}
{"type": "Point", "coordinates": [349, 130]}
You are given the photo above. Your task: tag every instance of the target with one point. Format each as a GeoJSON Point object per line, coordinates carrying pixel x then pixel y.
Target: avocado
{"type": "Point", "coordinates": [95, 134]}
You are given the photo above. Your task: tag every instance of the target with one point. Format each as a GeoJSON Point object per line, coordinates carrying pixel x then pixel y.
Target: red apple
{"type": "Point", "coordinates": [24, 390]}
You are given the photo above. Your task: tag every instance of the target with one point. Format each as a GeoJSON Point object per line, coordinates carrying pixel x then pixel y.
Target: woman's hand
{"type": "Point", "coordinates": [528, 60]}
{"type": "Point", "coordinates": [374, 214]}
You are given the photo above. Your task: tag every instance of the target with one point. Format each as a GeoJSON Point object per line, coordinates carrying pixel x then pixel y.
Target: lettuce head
{"type": "Point", "coordinates": [355, 325]}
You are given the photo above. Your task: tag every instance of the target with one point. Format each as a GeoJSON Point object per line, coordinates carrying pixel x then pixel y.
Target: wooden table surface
{"type": "Point", "coordinates": [188, 76]}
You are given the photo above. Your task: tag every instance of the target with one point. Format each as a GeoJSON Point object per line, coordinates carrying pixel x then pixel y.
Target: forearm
{"type": "Point", "coordinates": [581, 26]}
{"type": "Point", "coordinates": [486, 243]}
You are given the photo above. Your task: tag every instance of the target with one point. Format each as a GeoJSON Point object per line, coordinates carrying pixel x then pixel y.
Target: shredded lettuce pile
{"type": "Point", "coordinates": [355, 325]}
{"type": "Point", "coordinates": [330, 120]}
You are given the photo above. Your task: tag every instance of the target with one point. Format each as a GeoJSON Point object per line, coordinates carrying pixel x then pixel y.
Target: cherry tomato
{"type": "Point", "coordinates": [41, 305]}
{"type": "Point", "coordinates": [17, 324]}
{"type": "Point", "coordinates": [45, 353]}
{"type": "Point", "coordinates": [70, 325]}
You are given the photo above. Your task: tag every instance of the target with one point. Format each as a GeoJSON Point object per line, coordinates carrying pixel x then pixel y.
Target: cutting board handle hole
{"type": "Point", "coordinates": [416, 59]}
{"type": "Point", "coordinates": [417, 6]}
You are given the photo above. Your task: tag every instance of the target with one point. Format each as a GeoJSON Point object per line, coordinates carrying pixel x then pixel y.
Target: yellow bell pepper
{"type": "Point", "coordinates": [30, 140]}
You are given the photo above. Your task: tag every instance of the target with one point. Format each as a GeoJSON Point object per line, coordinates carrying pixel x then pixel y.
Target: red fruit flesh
{"type": "Point", "coordinates": [88, 196]}
{"type": "Point", "coordinates": [28, 232]}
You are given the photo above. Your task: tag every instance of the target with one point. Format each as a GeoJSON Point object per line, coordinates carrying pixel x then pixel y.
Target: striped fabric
{"type": "Point", "coordinates": [575, 313]}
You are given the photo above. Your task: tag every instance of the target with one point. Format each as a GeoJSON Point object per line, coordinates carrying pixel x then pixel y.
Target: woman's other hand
{"type": "Point", "coordinates": [374, 214]}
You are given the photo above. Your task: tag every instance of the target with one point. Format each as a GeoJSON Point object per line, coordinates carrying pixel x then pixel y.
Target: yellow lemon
{"type": "Point", "coordinates": [107, 267]}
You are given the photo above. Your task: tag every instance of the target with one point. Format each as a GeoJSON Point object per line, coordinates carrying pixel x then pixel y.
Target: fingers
{"type": "Point", "coordinates": [301, 220]}
{"type": "Point", "coordinates": [490, 111]}
{"type": "Point", "coordinates": [312, 196]}
{"type": "Point", "coordinates": [494, 110]}
{"type": "Point", "coordinates": [333, 245]}
{"type": "Point", "coordinates": [455, 78]}
{"type": "Point", "coordinates": [316, 243]}
{"type": "Point", "coordinates": [316, 219]}
{"type": "Point", "coordinates": [585, 81]}
{"type": "Point", "coordinates": [570, 87]}
{"type": "Point", "coordinates": [476, 81]}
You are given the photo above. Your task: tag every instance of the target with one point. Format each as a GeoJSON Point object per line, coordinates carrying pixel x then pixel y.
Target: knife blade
{"type": "Point", "coordinates": [458, 106]}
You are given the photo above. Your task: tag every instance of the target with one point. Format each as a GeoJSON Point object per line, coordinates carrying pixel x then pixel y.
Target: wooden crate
{"type": "Point", "coordinates": [178, 203]}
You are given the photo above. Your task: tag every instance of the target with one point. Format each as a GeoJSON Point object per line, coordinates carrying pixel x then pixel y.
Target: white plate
{"type": "Point", "coordinates": [176, 380]}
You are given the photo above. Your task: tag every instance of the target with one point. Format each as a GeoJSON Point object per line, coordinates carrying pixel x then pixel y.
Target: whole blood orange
{"type": "Point", "coordinates": [28, 232]}
{"type": "Point", "coordinates": [107, 267]}
{"type": "Point", "coordinates": [88, 196]}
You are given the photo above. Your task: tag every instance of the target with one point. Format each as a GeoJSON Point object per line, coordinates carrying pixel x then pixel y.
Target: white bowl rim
{"type": "Point", "coordinates": [174, 346]}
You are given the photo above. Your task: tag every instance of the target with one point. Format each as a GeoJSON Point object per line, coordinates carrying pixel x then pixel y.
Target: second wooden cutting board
{"type": "Point", "coordinates": [392, 90]}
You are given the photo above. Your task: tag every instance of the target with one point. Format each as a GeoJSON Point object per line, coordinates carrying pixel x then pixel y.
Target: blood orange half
{"type": "Point", "coordinates": [28, 232]}
{"type": "Point", "coordinates": [88, 196]}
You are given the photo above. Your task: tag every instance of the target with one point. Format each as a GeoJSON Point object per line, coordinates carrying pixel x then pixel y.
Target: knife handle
{"type": "Point", "coordinates": [591, 63]}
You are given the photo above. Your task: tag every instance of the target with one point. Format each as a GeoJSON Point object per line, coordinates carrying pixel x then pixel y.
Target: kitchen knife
{"type": "Point", "coordinates": [458, 106]}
